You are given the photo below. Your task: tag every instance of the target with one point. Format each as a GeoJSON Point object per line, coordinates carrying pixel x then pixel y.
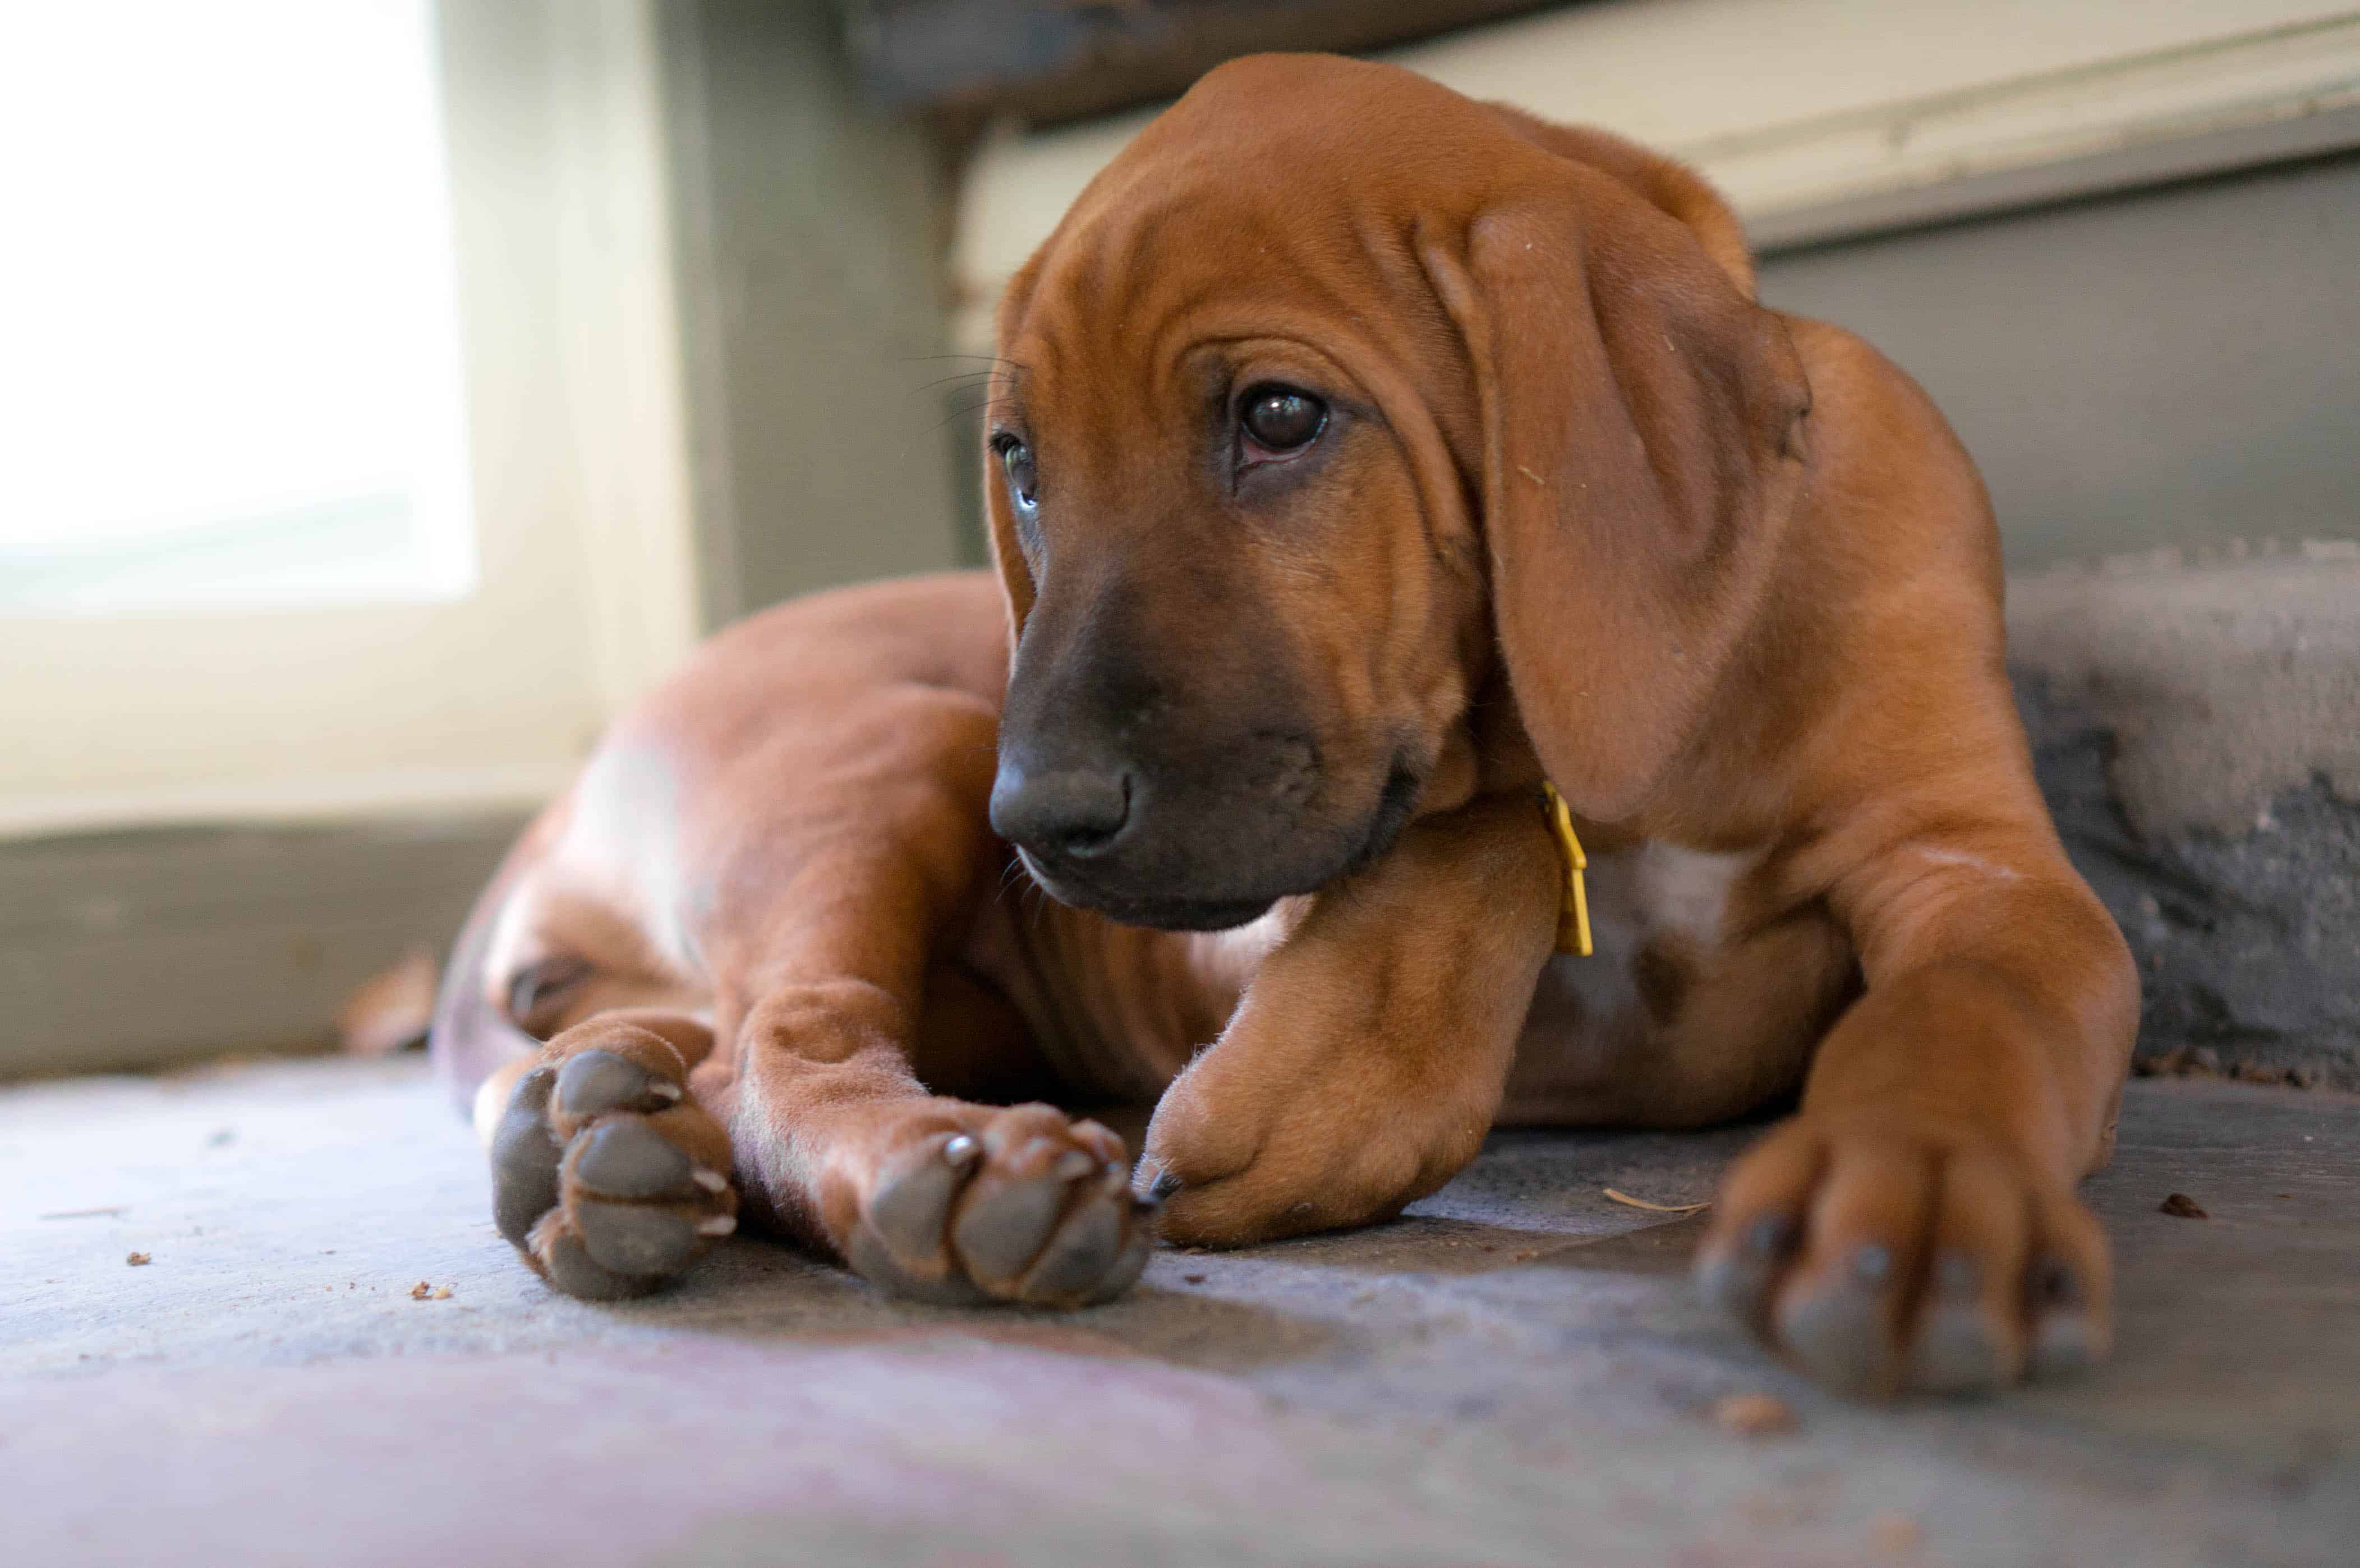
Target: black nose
{"type": "Point", "coordinates": [1068, 812]}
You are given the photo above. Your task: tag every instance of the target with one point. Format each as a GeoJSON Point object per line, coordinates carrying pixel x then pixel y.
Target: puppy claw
{"type": "Point", "coordinates": [712, 1181]}
{"type": "Point", "coordinates": [717, 1225]}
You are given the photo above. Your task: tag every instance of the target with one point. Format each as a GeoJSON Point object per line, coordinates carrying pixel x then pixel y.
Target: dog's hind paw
{"type": "Point", "coordinates": [606, 1176]}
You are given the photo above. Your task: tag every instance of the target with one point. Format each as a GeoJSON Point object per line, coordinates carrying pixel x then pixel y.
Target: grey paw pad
{"type": "Point", "coordinates": [1838, 1333]}
{"type": "Point", "coordinates": [573, 1271]}
{"type": "Point", "coordinates": [1737, 1278]}
{"type": "Point", "coordinates": [1131, 1262]}
{"type": "Point", "coordinates": [524, 1159]}
{"type": "Point", "coordinates": [874, 1262]}
{"type": "Point", "coordinates": [1078, 1256]}
{"type": "Point", "coordinates": [591, 1081]}
{"type": "Point", "coordinates": [910, 1210]}
{"type": "Point", "coordinates": [1001, 1231]}
{"type": "Point", "coordinates": [2063, 1345]}
{"type": "Point", "coordinates": [634, 1240]}
{"type": "Point", "coordinates": [629, 1158]}
{"type": "Point", "coordinates": [1955, 1352]}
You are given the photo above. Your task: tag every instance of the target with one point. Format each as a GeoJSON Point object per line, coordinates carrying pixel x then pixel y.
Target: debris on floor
{"type": "Point", "coordinates": [1754, 1415]}
{"type": "Point", "coordinates": [1515, 1370]}
{"type": "Point", "coordinates": [1895, 1532]}
{"type": "Point", "coordinates": [2183, 1206]}
{"type": "Point", "coordinates": [1628, 1202]}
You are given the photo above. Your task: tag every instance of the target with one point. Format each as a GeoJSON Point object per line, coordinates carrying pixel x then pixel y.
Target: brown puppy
{"type": "Point", "coordinates": [1368, 455]}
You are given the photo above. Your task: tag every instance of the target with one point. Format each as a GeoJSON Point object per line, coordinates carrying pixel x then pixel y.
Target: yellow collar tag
{"type": "Point", "coordinates": [1573, 908]}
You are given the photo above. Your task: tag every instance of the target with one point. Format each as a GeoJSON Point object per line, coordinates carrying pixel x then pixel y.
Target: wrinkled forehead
{"type": "Point", "coordinates": [1136, 279]}
{"type": "Point", "coordinates": [1287, 192]}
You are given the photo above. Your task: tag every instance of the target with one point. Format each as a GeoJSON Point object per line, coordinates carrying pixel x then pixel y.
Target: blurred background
{"type": "Point", "coordinates": [389, 389]}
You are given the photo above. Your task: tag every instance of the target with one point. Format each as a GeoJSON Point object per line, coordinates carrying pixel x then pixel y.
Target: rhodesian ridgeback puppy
{"type": "Point", "coordinates": [1363, 459]}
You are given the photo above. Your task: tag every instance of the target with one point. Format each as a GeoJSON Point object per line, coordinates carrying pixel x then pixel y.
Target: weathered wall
{"type": "Point", "coordinates": [810, 229]}
{"type": "Point", "coordinates": [2174, 366]}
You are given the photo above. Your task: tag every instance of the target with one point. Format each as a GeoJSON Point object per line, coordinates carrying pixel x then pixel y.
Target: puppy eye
{"type": "Point", "coordinates": [1016, 462]}
{"type": "Point", "coordinates": [1281, 419]}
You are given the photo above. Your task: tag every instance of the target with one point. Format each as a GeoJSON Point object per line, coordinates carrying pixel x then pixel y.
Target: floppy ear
{"type": "Point", "coordinates": [1642, 444]}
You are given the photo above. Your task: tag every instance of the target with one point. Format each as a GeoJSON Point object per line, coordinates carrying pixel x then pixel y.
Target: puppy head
{"type": "Point", "coordinates": [1335, 397]}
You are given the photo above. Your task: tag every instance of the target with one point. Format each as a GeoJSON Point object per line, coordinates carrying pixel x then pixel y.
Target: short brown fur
{"type": "Point", "coordinates": [1588, 512]}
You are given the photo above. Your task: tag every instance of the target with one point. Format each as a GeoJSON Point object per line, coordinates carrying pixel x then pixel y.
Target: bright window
{"type": "Point", "coordinates": [343, 466]}
{"type": "Point", "coordinates": [232, 371]}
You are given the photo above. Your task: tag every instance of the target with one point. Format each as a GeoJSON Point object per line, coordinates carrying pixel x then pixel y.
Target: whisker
{"type": "Point", "coordinates": [972, 377]}
{"type": "Point", "coordinates": [991, 359]}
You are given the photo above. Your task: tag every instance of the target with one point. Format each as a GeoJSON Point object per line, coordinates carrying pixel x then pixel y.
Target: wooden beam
{"type": "Point", "coordinates": [1045, 61]}
{"type": "Point", "coordinates": [138, 949]}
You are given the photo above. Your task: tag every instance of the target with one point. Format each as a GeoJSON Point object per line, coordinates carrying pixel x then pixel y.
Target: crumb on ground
{"type": "Point", "coordinates": [1895, 1532]}
{"type": "Point", "coordinates": [1754, 1415]}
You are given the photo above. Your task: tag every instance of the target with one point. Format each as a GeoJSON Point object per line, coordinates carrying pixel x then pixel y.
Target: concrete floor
{"type": "Point", "coordinates": [1517, 1374]}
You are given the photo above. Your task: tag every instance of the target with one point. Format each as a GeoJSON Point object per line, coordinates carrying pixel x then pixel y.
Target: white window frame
{"type": "Point", "coordinates": [588, 583]}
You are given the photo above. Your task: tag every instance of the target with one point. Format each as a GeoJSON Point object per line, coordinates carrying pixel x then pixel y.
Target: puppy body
{"type": "Point", "coordinates": [772, 919]}
{"type": "Point", "coordinates": [1576, 508]}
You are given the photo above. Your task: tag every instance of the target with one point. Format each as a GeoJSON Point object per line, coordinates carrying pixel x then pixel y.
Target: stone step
{"type": "Point", "coordinates": [2196, 728]}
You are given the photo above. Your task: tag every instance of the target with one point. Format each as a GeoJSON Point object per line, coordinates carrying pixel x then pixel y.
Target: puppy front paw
{"type": "Point", "coordinates": [1879, 1261]}
{"type": "Point", "coordinates": [1238, 1154]}
{"type": "Point", "coordinates": [969, 1204]}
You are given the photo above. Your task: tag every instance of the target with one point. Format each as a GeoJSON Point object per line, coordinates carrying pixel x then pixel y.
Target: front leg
{"type": "Point", "coordinates": [1914, 1225]}
{"type": "Point", "coordinates": [1363, 1068]}
{"type": "Point", "coordinates": [937, 1199]}
{"type": "Point", "coordinates": [820, 883]}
